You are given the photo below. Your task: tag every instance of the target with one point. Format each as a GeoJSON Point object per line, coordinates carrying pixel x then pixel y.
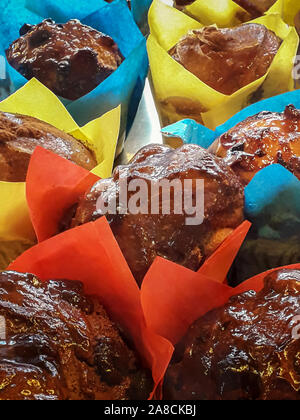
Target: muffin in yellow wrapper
{"type": "Point", "coordinates": [224, 13]}
{"type": "Point", "coordinates": [180, 94]}
{"type": "Point", "coordinates": [100, 136]}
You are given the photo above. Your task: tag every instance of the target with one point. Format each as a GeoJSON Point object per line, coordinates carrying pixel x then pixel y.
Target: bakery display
{"type": "Point", "coordinates": [143, 237]}
{"type": "Point", "coordinates": [20, 135]}
{"type": "Point", "coordinates": [71, 59]}
{"type": "Point", "coordinates": [59, 344]}
{"type": "Point", "coordinates": [167, 273]}
{"type": "Point", "coordinates": [246, 350]}
{"type": "Point", "coordinates": [227, 59]}
{"type": "Point", "coordinates": [261, 140]}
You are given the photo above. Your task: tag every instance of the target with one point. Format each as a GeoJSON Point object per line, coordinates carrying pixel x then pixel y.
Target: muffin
{"type": "Point", "coordinates": [156, 230]}
{"type": "Point", "coordinates": [262, 140]}
{"type": "Point", "coordinates": [71, 59]}
{"type": "Point", "coordinates": [246, 350]}
{"type": "Point", "coordinates": [58, 344]}
{"type": "Point", "coordinates": [20, 135]}
{"type": "Point", "coordinates": [227, 59]}
{"type": "Point", "coordinates": [128, 1]}
{"type": "Point", "coordinates": [182, 3]}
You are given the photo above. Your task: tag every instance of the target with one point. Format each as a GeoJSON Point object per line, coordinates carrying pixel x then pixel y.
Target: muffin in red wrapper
{"type": "Point", "coordinates": [53, 194]}
{"type": "Point", "coordinates": [90, 255]}
{"type": "Point", "coordinates": [230, 343]}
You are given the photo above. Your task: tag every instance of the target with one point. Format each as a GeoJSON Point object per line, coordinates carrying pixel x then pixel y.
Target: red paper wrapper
{"type": "Point", "coordinates": [53, 185]}
{"type": "Point", "coordinates": [91, 255]}
{"type": "Point", "coordinates": [182, 296]}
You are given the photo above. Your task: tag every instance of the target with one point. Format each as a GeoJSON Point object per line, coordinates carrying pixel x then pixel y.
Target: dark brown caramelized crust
{"type": "Point", "coordinates": [247, 350]}
{"type": "Point", "coordinates": [20, 135]}
{"type": "Point", "coordinates": [227, 59]}
{"type": "Point", "coordinates": [143, 237]}
{"type": "Point", "coordinates": [71, 59]}
{"type": "Point", "coordinates": [256, 8]}
{"type": "Point", "coordinates": [261, 140]}
{"type": "Point", "coordinates": [58, 344]}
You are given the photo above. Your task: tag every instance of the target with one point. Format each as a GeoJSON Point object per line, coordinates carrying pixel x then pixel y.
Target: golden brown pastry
{"type": "Point", "coordinates": [256, 8]}
{"type": "Point", "coordinates": [20, 135]}
{"type": "Point", "coordinates": [248, 349]}
{"type": "Point", "coordinates": [143, 237]}
{"type": "Point", "coordinates": [227, 59]}
{"type": "Point", "coordinates": [261, 140]}
{"type": "Point", "coordinates": [58, 344]}
{"type": "Point", "coordinates": [71, 59]}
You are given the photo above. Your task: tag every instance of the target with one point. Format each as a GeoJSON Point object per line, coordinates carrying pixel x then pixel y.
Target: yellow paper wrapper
{"type": "Point", "coordinates": [224, 13]}
{"type": "Point", "coordinates": [291, 13]}
{"type": "Point", "coordinates": [180, 94]}
{"type": "Point", "coordinates": [100, 136]}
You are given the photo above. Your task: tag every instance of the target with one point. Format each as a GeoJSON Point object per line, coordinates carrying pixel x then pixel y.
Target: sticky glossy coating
{"type": "Point", "coordinates": [247, 350]}
{"type": "Point", "coordinates": [71, 59]}
{"type": "Point", "coordinates": [262, 140]}
{"type": "Point", "coordinates": [20, 135]}
{"type": "Point", "coordinates": [227, 59]}
{"type": "Point", "coordinates": [60, 345]}
{"type": "Point", "coordinates": [143, 237]}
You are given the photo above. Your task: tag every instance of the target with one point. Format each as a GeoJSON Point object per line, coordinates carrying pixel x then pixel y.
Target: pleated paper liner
{"type": "Point", "coordinates": [180, 94]}
{"type": "Point", "coordinates": [100, 136]}
{"type": "Point", "coordinates": [90, 254]}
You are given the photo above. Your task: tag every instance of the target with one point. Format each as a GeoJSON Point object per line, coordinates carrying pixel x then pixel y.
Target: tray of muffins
{"type": "Point", "coordinates": [150, 201]}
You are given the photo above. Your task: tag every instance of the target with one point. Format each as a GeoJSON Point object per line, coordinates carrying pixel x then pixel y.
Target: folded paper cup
{"type": "Point", "coordinates": [291, 13]}
{"type": "Point", "coordinates": [124, 86]}
{"type": "Point", "coordinates": [180, 94]}
{"type": "Point", "coordinates": [224, 13]}
{"type": "Point", "coordinates": [172, 288]}
{"type": "Point", "coordinates": [272, 198]}
{"type": "Point", "coordinates": [100, 136]}
{"type": "Point", "coordinates": [91, 255]}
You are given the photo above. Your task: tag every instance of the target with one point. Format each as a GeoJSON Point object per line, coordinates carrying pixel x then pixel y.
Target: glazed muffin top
{"type": "Point", "coordinates": [227, 59]}
{"type": "Point", "coordinates": [58, 344]}
{"type": "Point", "coordinates": [246, 350]}
{"type": "Point", "coordinates": [145, 235]}
{"type": "Point", "coordinates": [261, 140]}
{"type": "Point", "coordinates": [71, 59]}
{"type": "Point", "coordinates": [21, 134]}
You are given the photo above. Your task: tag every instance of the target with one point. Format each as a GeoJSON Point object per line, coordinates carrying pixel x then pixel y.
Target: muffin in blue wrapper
{"type": "Point", "coordinates": [272, 197]}
{"type": "Point", "coordinates": [124, 86]}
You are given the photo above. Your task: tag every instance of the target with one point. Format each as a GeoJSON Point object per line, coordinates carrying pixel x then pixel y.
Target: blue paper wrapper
{"type": "Point", "coordinates": [82, 8]}
{"type": "Point", "coordinates": [124, 86]}
{"type": "Point", "coordinates": [272, 198]}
